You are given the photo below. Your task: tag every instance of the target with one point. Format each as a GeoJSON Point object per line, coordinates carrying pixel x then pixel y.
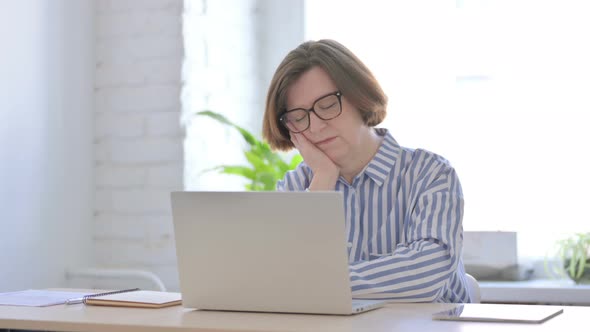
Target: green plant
{"type": "Point", "coordinates": [573, 255]}
{"type": "Point", "coordinates": [266, 166]}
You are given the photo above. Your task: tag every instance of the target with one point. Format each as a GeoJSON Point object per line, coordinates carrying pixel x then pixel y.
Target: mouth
{"type": "Point", "coordinates": [325, 141]}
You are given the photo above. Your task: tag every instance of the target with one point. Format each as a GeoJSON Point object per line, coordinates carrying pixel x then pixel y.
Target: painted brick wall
{"type": "Point", "coordinates": [226, 51]}
{"type": "Point", "coordinates": [138, 137]}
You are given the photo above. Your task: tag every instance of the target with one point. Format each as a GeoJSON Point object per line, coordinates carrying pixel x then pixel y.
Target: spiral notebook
{"type": "Point", "coordinates": [134, 298]}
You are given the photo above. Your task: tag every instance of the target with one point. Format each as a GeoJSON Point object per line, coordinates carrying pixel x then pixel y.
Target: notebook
{"type": "Point", "coordinates": [135, 298]}
{"type": "Point", "coordinates": [512, 313]}
{"type": "Point", "coordinates": [264, 252]}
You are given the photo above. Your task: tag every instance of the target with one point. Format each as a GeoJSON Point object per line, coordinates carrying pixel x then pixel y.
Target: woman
{"type": "Point", "coordinates": [404, 207]}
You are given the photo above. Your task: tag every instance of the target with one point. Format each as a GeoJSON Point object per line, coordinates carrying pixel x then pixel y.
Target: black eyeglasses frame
{"type": "Point", "coordinates": [282, 118]}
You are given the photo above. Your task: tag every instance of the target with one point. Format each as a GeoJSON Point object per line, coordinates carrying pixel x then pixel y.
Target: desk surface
{"type": "Point", "coordinates": [393, 317]}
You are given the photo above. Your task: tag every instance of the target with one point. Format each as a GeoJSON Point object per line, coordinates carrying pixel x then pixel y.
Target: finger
{"type": "Point", "coordinates": [302, 140]}
{"type": "Point", "coordinates": [295, 140]}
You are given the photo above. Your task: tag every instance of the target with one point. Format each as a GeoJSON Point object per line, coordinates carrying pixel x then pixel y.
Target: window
{"type": "Point", "coordinates": [500, 88]}
{"type": "Point", "coordinates": [232, 48]}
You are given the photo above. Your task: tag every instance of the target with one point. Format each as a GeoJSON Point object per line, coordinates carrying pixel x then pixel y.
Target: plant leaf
{"type": "Point", "coordinates": [296, 160]}
{"type": "Point", "coordinates": [268, 180]}
{"type": "Point", "coordinates": [256, 161]}
{"type": "Point", "coordinates": [238, 170]}
{"type": "Point", "coordinates": [267, 166]}
{"type": "Point", "coordinates": [250, 139]}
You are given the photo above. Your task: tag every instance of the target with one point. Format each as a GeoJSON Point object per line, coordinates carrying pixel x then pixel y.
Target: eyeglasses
{"type": "Point", "coordinates": [326, 107]}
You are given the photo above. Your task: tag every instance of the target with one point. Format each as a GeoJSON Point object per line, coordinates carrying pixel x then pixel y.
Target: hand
{"type": "Point", "coordinates": [325, 171]}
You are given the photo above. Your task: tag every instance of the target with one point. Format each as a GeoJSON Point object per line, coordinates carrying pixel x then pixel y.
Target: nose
{"type": "Point", "coordinates": [315, 124]}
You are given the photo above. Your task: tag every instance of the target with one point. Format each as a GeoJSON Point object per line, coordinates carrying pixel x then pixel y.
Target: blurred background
{"type": "Point", "coordinates": [97, 124]}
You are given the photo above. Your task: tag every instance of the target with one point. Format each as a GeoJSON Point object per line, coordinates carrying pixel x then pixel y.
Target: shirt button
{"type": "Point", "coordinates": [349, 244]}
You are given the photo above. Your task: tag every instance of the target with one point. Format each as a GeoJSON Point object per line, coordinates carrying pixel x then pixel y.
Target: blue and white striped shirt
{"type": "Point", "coordinates": [404, 223]}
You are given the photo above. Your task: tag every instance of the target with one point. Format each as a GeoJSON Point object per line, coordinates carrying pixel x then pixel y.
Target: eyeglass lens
{"type": "Point", "coordinates": [326, 108]}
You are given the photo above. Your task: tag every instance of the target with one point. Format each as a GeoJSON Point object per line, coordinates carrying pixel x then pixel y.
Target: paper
{"type": "Point", "coordinates": [37, 298]}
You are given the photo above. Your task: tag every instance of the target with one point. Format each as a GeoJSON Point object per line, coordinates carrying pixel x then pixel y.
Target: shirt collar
{"type": "Point", "coordinates": [379, 168]}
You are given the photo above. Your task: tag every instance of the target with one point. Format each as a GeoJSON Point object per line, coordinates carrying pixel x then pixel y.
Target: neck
{"type": "Point", "coordinates": [361, 155]}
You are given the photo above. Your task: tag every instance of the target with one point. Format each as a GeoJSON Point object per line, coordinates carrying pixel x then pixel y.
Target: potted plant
{"type": "Point", "coordinates": [266, 167]}
{"type": "Point", "coordinates": [573, 255]}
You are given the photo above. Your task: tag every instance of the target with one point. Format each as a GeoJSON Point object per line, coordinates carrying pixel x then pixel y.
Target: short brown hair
{"type": "Point", "coordinates": [351, 76]}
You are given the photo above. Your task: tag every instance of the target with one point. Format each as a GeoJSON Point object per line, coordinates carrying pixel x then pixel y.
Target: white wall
{"type": "Point", "coordinates": [230, 46]}
{"type": "Point", "coordinates": [46, 101]}
{"type": "Point", "coordinates": [90, 133]}
{"type": "Point", "coordinates": [86, 174]}
{"type": "Point", "coordinates": [138, 138]}
{"type": "Point", "coordinates": [280, 29]}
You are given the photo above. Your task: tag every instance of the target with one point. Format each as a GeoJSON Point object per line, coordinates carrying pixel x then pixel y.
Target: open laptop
{"type": "Point", "coordinates": [264, 251]}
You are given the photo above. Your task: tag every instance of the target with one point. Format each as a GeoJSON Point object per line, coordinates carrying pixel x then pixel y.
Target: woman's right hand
{"type": "Point", "coordinates": [325, 171]}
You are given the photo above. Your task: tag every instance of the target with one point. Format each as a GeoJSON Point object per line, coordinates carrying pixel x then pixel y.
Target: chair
{"type": "Point", "coordinates": [473, 288]}
{"type": "Point", "coordinates": [112, 278]}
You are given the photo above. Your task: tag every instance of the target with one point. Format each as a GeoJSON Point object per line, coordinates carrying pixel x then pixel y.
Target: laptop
{"type": "Point", "coordinates": [264, 252]}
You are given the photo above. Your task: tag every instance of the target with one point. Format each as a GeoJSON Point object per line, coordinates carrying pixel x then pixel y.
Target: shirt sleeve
{"type": "Point", "coordinates": [295, 180]}
{"type": "Point", "coordinates": [420, 268]}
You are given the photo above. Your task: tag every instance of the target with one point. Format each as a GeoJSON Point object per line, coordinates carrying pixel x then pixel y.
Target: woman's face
{"type": "Point", "coordinates": [338, 138]}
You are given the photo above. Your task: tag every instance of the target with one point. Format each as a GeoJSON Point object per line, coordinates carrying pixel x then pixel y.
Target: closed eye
{"type": "Point", "coordinates": [328, 106]}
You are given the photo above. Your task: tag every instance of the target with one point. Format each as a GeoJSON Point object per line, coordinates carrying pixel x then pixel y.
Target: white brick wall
{"type": "Point", "coordinates": [230, 48]}
{"type": "Point", "coordinates": [138, 137]}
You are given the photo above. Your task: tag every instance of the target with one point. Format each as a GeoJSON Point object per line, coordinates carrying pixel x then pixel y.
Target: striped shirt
{"type": "Point", "coordinates": [404, 225]}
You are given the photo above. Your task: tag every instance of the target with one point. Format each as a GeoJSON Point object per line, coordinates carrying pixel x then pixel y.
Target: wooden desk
{"type": "Point", "coordinates": [394, 317]}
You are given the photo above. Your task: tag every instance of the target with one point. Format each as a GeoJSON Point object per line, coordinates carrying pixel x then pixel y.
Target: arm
{"type": "Point", "coordinates": [295, 180]}
{"type": "Point", "coordinates": [420, 268]}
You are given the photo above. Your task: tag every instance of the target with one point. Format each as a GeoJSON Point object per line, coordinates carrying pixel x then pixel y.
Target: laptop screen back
{"type": "Point", "coordinates": [262, 251]}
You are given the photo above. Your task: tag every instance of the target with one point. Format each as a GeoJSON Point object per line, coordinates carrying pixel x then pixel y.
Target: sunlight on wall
{"type": "Point", "coordinates": [498, 88]}
{"type": "Point", "coordinates": [218, 73]}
